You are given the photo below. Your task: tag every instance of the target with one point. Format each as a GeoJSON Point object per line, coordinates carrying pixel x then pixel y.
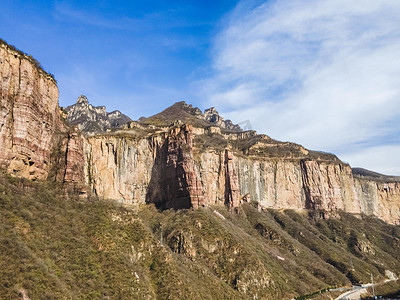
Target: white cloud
{"type": "Point", "coordinates": [321, 73]}
{"type": "Point", "coordinates": [382, 159]}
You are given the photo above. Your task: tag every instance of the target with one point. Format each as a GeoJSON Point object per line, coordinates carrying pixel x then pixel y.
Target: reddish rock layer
{"type": "Point", "coordinates": [183, 187]}
{"type": "Point", "coordinates": [30, 120]}
{"type": "Point", "coordinates": [29, 115]}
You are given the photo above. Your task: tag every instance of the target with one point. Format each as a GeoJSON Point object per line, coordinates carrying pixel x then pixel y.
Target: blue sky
{"type": "Point", "coordinates": [136, 56]}
{"type": "Point", "coordinates": [325, 74]}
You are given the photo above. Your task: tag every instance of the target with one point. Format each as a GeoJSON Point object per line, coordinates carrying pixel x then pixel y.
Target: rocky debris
{"type": "Point", "coordinates": [212, 116]}
{"type": "Point", "coordinates": [89, 118]}
{"type": "Point", "coordinates": [183, 187]}
{"type": "Point", "coordinates": [22, 293]}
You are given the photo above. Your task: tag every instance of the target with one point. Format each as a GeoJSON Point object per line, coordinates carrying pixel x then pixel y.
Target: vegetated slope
{"type": "Point", "coordinates": [57, 247]}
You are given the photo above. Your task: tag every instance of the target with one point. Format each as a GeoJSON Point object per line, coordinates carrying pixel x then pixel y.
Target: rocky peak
{"type": "Point", "coordinates": [89, 118]}
{"type": "Point", "coordinates": [190, 115]}
{"type": "Point", "coordinates": [82, 100]}
{"type": "Point", "coordinates": [212, 116]}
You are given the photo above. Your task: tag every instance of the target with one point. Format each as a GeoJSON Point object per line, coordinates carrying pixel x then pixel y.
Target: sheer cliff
{"type": "Point", "coordinates": [230, 168]}
{"type": "Point", "coordinates": [35, 142]}
{"type": "Point", "coordinates": [179, 158]}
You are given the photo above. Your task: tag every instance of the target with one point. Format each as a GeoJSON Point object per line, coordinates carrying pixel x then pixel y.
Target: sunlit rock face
{"type": "Point", "coordinates": [173, 163]}
{"type": "Point", "coordinates": [379, 198]}
{"type": "Point", "coordinates": [30, 115]}
{"type": "Point", "coordinates": [175, 169]}
{"type": "Point", "coordinates": [89, 118]}
{"type": "Point", "coordinates": [35, 142]}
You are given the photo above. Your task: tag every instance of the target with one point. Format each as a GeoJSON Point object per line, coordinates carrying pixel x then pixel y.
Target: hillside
{"type": "Point", "coordinates": [62, 248]}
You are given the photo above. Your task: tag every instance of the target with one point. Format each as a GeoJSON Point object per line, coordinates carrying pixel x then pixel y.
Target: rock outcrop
{"type": "Point", "coordinates": [213, 116]}
{"type": "Point", "coordinates": [232, 192]}
{"type": "Point", "coordinates": [89, 118]}
{"type": "Point", "coordinates": [30, 116]}
{"type": "Point", "coordinates": [170, 168]}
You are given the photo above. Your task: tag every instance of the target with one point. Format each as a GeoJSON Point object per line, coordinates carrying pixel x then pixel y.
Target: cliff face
{"type": "Point", "coordinates": [30, 115]}
{"type": "Point", "coordinates": [31, 127]}
{"type": "Point", "coordinates": [174, 166]}
{"type": "Point", "coordinates": [170, 169]}
{"type": "Point", "coordinates": [379, 198]}
{"type": "Point", "coordinates": [161, 168]}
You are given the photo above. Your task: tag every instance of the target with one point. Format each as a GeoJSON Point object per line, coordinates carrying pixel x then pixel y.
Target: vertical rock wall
{"type": "Point", "coordinates": [30, 115]}
{"type": "Point", "coordinates": [232, 190]}
{"type": "Point", "coordinates": [273, 183]}
{"type": "Point", "coordinates": [121, 168]}
{"type": "Point", "coordinates": [34, 141]}
{"type": "Point", "coordinates": [183, 187]}
{"type": "Point", "coordinates": [381, 199]}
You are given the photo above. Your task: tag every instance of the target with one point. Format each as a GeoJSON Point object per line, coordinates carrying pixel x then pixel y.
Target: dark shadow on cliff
{"type": "Point", "coordinates": [168, 187]}
{"type": "Point", "coordinates": [155, 192]}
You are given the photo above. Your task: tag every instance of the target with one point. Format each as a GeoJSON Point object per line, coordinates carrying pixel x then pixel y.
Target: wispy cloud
{"type": "Point", "coordinates": [321, 73]}
{"type": "Point", "coordinates": [159, 20]}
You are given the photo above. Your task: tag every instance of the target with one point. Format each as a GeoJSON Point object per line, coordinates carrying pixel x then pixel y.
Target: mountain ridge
{"type": "Point", "coordinates": [89, 118]}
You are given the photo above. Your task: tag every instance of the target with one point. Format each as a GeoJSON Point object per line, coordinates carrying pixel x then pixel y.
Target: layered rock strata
{"type": "Point", "coordinates": [31, 126]}
{"type": "Point", "coordinates": [168, 168]}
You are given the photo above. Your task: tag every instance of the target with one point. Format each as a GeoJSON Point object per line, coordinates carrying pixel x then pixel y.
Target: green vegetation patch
{"type": "Point", "coordinates": [58, 247]}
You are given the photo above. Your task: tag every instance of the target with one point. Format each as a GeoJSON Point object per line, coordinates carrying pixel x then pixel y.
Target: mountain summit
{"type": "Point", "coordinates": [89, 118]}
{"type": "Point", "coordinates": [190, 115]}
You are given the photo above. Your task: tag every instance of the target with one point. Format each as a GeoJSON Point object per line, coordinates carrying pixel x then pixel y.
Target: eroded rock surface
{"type": "Point", "coordinates": [30, 115]}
